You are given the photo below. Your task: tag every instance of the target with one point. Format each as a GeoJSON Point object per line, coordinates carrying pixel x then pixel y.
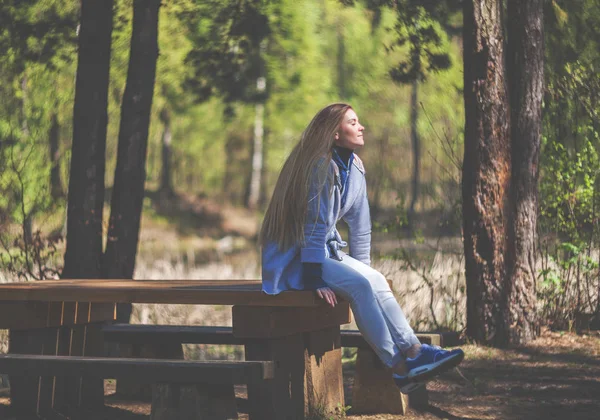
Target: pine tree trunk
{"type": "Point", "coordinates": [415, 180]}
{"type": "Point", "coordinates": [56, 189]}
{"type": "Point", "coordinates": [341, 59]}
{"type": "Point", "coordinates": [166, 185]}
{"type": "Point", "coordinates": [257, 157]}
{"type": "Point", "coordinates": [486, 170]}
{"type": "Point", "coordinates": [130, 172]}
{"type": "Point", "coordinates": [526, 69]}
{"type": "Point", "coordinates": [83, 255]}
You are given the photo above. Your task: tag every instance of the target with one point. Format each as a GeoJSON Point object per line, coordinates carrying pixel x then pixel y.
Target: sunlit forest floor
{"type": "Point", "coordinates": [555, 377]}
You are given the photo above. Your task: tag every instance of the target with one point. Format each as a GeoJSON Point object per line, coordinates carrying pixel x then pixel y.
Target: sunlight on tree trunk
{"type": "Point", "coordinates": [415, 142]}
{"type": "Point", "coordinates": [257, 149]}
{"type": "Point", "coordinates": [166, 185]}
{"type": "Point", "coordinates": [56, 189]}
{"type": "Point", "coordinates": [526, 69]}
{"type": "Point", "coordinates": [486, 170]}
{"type": "Point", "coordinates": [83, 255]}
{"type": "Point", "coordinates": [130, 173]}
{"type": "Point", "coordinates": [500, 169]}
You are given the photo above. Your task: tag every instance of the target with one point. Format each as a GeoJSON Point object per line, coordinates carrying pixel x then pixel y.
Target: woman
{"type": "Point", "coordinates": [321, 182]}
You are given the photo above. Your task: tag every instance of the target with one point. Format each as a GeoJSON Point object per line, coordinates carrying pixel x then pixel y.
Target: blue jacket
{"type": "Point", "coordinates": [282, 269]}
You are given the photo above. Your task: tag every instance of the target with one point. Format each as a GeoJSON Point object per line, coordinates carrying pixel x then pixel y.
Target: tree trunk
{"type": "Point", "coordinates": [341, 59]}
{"type": "Point", "coordinates": [56, 189]}
{"type": "Point", "coordinates": [130, 172]}
{"type": "Point", "coordinates": [257, 157]}
{"type": "Point", "coordinates": [416, 150]}
{"type": "Point", "coordinates": [486, 171]}
{"type": "Point", "coordinates": [526, 69]}
{"type": "Point", "coordinates": [83, 255]}
{"type": "Point", "coordinates": [166, 184]}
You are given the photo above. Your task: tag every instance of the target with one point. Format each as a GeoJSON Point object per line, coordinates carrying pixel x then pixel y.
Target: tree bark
{"type": "Point", "coordinates": [526, 69]}
{"type": "Point", "coordinates": [257, 142]}
{"type": "Point", "coordinates": [486, 170]}
{"type": "Point", "coordinates": [416, 150]}
{"type": "Point", "coordinates": [130, 172]}
{"type": "Point", "coordinates": [56, 189]}
{"type": "Point", "coordinates": [166, 184]}
{"type": "Point", "coordinates": [83, 255]}
{"type": "Point", "coordinates": [257, 157]}
{"type": "Point", "coordinates": [341, 60]}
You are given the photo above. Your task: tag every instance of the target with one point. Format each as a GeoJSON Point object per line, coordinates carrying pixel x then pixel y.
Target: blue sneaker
{"type": "Point", "coordinates": [431, 361]}
{"type": "Point", "coordinates": [406, 384]}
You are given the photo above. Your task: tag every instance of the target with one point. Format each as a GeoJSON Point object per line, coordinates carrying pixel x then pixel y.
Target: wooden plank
{"type": "Point", "coordinates": [201, 292]}
{"type": "Point", "coordinates": [133, 389]}
{"type": "Point", "coordinates": [23, 315]}
{"type": "Point", "coordinates": [50, 347]}
{"type": "Point", "coordinates": [282, 397]}
{"type": "Point", "coordinates": [100, 312]}
{"type": "Point", "coordinates": [278, 322]}
{"type": "Point", "coordinates": [77, 344]}
{"type": "Point", "coordinates": [63, 386]}
{"type": "Point", "coordinates": [200, 334]}
{"type": "Point", "coordinates": [32, 315]}
{"type": "Point", "coordinates": [353, 338]}
{"type": "Point", "coordinates": [159, 334]}
{"type": "Point", "coordinates": [92, 385]}
{"type": "Point", "coordinates": [374, 390]}
{"type": "Point", "coordinates": [151, 370]}
{"type": "Point", "coordinates": [198, 402]}
{"type": "Point", "coordinates": [24, 389]}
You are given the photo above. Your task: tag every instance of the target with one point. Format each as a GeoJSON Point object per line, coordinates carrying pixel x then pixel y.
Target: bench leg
{"type": "Point", "coordinates": [24, 389]}
{"type": "Point", "coordinates": [130, 388]}
{"type": "Point", "coordinates": [323, 381]}
{"type": "Point", "coordinates": [193, 402]}
{"type": "Point", "coordinates": [308, 379]}
{"type": "Point", "coordinates": [374, 390]}
{"type": "Point", "coordinates": [283, 396]}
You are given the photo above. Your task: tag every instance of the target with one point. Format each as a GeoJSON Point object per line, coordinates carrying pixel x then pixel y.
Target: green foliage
{"type": "Point", "coordinates": [210, 55]}
{"type": "Point", "coordinates": [227, 56]}
{"type": "Point", "coordinates": [426, 41]}
{"type": "Point", "coordinates": [570, 164]}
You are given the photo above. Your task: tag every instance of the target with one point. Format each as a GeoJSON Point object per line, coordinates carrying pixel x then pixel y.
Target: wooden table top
{"type": "Point", "coordinates": [198, 292]}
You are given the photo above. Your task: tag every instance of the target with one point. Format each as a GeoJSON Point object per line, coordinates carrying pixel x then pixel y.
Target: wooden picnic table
{"type": "Point", "coordinates": [295, 329]}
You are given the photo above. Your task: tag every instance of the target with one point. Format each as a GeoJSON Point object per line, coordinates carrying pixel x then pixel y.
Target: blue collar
{"type": "Point", "coordinates": [342, 157]}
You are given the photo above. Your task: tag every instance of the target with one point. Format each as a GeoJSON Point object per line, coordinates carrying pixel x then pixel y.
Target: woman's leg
{"type": "Point", "coordinates": [357, 289]}
{"type": "Point", "coordinates": [401, 331]}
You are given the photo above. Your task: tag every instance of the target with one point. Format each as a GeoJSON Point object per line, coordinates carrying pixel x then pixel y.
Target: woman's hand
{"type": "Point", "coordinates": [327, 294]}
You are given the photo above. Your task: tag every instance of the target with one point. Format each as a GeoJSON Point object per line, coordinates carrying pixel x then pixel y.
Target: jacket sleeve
{"type": "Point", "coordinates": [358, 219]}
{"type": "Point", "coordinates": [315, 226]}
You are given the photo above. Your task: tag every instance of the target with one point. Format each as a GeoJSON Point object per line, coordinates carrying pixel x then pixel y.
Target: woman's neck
{"type": "Point", "coordinates": [343, 153]}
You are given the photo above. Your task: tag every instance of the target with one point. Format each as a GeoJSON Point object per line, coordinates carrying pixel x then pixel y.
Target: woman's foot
{"type": "Point", "coordinates": [406, 384]}
{"type": "Point", "coordinates": [431, 361]}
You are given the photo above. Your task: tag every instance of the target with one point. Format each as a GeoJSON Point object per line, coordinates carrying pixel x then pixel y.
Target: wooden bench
{"type": "Point", "coordinates": [373, 389]}
{"type": "Point", "coordinates": [182, 389]}
{"type": "Point", "coordinates": [295, 330]}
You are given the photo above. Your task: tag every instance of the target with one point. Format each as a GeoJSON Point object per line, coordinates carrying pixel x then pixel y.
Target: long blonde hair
{"type": "Point", "coordinates": [286, 214]}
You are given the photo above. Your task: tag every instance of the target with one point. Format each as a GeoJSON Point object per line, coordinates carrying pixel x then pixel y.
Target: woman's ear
{"type": "Point", "coordinates": [337, 136]}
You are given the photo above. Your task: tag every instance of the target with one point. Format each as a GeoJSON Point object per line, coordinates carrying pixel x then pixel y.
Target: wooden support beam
{"type": "Point", "coordinates": [264, 322]}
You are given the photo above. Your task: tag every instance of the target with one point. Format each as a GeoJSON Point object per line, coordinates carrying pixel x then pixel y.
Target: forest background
{"type": "Point", "coordinates": [236, 82]}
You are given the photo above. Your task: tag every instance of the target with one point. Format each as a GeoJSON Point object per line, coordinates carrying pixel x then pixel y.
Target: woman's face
{"type": "Point", "coordinates": [350, 132]}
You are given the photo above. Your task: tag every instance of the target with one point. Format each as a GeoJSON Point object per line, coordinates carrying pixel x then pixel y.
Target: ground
{"type": "Point", "coordinates": [555, 377]}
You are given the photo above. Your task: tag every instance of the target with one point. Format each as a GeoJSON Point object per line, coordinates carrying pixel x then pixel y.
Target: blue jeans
{"type": "Point", "coordinates": [376, 311]}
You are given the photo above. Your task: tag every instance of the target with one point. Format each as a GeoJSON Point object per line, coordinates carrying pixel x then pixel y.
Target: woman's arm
{"type": "Point", "coordinates": [358, 219]}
